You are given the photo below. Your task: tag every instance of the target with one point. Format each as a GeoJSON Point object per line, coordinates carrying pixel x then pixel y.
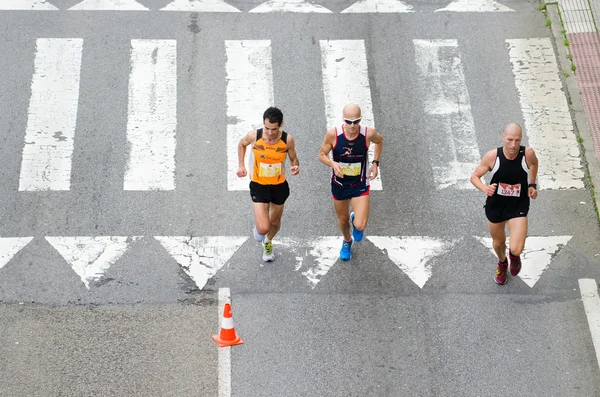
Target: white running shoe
{"type": "Point", "coordinates": [259, 237]}
{"type": "Point", "coordinates": [268, 255]}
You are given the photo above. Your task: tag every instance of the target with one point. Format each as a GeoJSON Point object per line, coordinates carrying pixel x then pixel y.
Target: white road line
{"type": "Point", "coordinates": [91, 256]}
{"type": "Point", "coordinates": [249, 93]}
{"type": "Point", "coordinates": [548, 123]}
{"type": "Point", "coordinates": [591, 303]}
{"type": "Point", "coordinates": [152, 116]}
{"type": "Point", "coordinates": [290, 6]}
{"type": "Point", "coordinates": [413, 254]}
{"type": "Point", "coordinates": [346, 80]}
{"type": "Point", "coordinates": [200, 6]}
{"type": "Point", "coordinates": [109, 5]}
{"type": "Point", "coordinates": [201, 257]}
{"type": "Point", "coordinates": [371, 6]}
{"type": "Point", "coordinates": [26, 5]}
{"type": "Point", "coordinates": [450, 130]}
{"type": "Point", "coordinates": [224, 352]}
{"type": "Point", "coordinates": [52, 116]}
{"type": "Point", "coordinates": [10, 246]}
{"type": "Point", "coordinates": [475, 6]}
{"type": "Point", "coordinates": [536, 256]}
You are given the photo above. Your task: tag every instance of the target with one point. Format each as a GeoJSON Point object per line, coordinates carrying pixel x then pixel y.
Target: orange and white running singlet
{"type": "Point", "coordinates": [268, 160]}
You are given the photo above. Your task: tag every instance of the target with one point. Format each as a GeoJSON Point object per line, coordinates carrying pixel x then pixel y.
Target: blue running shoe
{"type": "Point", "coordinates": [345, 253]}
{"type": "Point", "coordinates": [357, 235]}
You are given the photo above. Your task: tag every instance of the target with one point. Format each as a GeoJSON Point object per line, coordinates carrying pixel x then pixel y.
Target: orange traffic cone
{"type": "Point", "coordinates": [227, 336]}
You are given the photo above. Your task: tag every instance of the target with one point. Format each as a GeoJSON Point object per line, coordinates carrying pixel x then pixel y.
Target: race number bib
{"type": "Point", "coordinates": [269, 170]}
{"type": "Point", "coordinates": [351, 169]}
{"type": "Point", "coordinates": [504, 189]}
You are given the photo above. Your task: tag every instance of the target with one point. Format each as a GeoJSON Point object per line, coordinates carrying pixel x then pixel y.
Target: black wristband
{"type": "Point", "coordinates": [533, 185]}
{"type": "Point", "coordinates": [376, 162]}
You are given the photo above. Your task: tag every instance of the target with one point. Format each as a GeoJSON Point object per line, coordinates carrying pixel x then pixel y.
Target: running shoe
{"type": "Point", "coordinates": [500, 277]}
{"type": "Point", "coordinates": [357, 235]}
{"type": "Point", "coordinates": [515, 265]}
{"type": "Point", "coordinates": [268, 255]}
{"type": "Point", "coordinates": [259, 237]}
{"type": "Point", "coordinates": [345, 253]}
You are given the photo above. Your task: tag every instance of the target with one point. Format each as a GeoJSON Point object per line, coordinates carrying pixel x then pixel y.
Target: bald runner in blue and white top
{"type": "Point", "coordinates": [353, 155]}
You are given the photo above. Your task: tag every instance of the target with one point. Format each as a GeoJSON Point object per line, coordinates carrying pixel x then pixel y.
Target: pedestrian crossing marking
{"type": "Point", "coordinates": [373, 6]}
{"type": "Point", "coordinates": [450, 129]}
{"type": "Point", "coordinates": [201, 257]}
{"type": "Point", "coordinates": [346, 80]}
{"type": "Point", "coordinates": [475, 6]}
{"type": "Point", "coordinates": [52, 116]}
{"type": "Point", "coordinates": [46, 163]}
{"type": "Point", "coordinates": [200, 6]}
{"type": "Point", "coordinates": [109, 5]}
{"type": "Point", "coordinates": [35, 5]}
{"type": "Point", "coordinates": [152, 116]}
{"type": "Point", "coordinates": [90, 257]}
{"type": "Point", "coordinates": [10, 246]}
{"type": "Point", "coordinates": [301, 6]}
{"type": "Point", "coordinates": [249, 93]}
{"type": "Point", "coordinates": [536, 256]}
{"type": "Point", "coordinates": [548, 122]}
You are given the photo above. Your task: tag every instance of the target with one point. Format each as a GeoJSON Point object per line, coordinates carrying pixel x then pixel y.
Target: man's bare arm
{"type": "Point", "coordinates": [248, 139]}
{"type": "Point", "coordinates": [291, 150]}
{"type": "Point", "coordinates": [483, 168]}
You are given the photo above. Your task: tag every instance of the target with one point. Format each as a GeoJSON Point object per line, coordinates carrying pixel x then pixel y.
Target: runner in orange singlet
{"type": "Point", "coordinates": [268, 186]}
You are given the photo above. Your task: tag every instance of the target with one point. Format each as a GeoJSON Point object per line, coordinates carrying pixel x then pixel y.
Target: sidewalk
{"type": "Point", "coordinates": [583, 86]}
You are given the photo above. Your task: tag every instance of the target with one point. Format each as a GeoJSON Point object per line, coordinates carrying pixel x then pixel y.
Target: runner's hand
{"type": "Point", "coordinates": [532, 192]}
{"type": "Point", "coordinates": [373, 171]}
{"type": "Point", "coordinates": [491, 189]}
{"type": "Point", "coordinates": [241, 172]}
{"type": "Point", "coordinates": [337, 169]}
{"type": "Point", "coordinates": [295, 169]}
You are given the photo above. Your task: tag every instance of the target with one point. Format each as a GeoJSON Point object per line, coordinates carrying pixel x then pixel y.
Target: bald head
{"type": "Point", "coordinates": [351, 111]}
{"type": "Point", "coordinates": [513, 129]}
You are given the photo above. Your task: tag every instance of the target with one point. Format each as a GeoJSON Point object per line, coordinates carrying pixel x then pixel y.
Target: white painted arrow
{"type": "Point", "coordinates": [91, 256]}
{"type": "Point", "coordinates": [537, 254]}
{"type": "Point", "coordinates": [9, 246]}
{"type": "Point", "coordinates": [26, 5]}
{"type": "Point", "coordinates": [289, 6]}
{"type": "Point", "coordinates": [367, 6]}
{"type": "Point", "coordinates": [412, 253]}
{"type": "Point", "coordinates": [200, 6]}
{"type": "Point", "coordinates": [201, 257]}
{"type": "Point", "coordinates": [325, 251]}
{"type": "Point", "coordinates": [475, 6]}
{"type": "Point", "coordinates": [109, 5]}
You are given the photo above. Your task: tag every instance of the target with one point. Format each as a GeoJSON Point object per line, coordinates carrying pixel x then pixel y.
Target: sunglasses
{"type": "Point", "coordinates": [356, 121]}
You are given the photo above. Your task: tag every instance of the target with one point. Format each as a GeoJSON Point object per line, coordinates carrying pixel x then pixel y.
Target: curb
{"type": "Point", "coordinates": [582, 129]}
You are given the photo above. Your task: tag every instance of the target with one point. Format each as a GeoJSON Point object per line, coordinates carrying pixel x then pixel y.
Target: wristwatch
{"type": "Point", "coordinates": [376, 162]}
{"type": "Point", "coordinates": [533, 185]}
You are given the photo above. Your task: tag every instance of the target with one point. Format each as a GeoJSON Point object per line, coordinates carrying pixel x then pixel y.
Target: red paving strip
{"type": "Point", "coordinates": [585, 48]}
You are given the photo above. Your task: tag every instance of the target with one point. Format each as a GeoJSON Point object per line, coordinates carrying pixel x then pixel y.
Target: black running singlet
{"type": "Point", "coordinates": [512, 177]}
{"type": "Point", "coordinates": [353, 156]}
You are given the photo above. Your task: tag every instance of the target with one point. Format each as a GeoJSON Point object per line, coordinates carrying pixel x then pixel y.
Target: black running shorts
{"type": "Point", "coordinates": [499, 213]}
{"type": "Point", "coordinates": [276, 194]}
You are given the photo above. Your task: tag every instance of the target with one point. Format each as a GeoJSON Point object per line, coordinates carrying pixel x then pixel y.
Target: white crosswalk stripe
{"type": "Point", "coordinates": [451, 130]}
{"type": "Point", "coordinates": [346, 61]}
{"type": "Point", "coordinates": [546, 112]}
{"type": "Point", "coordinates": [152, 116]}
{"type": "Point", "coordinates": [52, 115]}
{"type": "Point", "coordinates": [151, 130]}
{"type": "Point", "coordinates": [249, 87]}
